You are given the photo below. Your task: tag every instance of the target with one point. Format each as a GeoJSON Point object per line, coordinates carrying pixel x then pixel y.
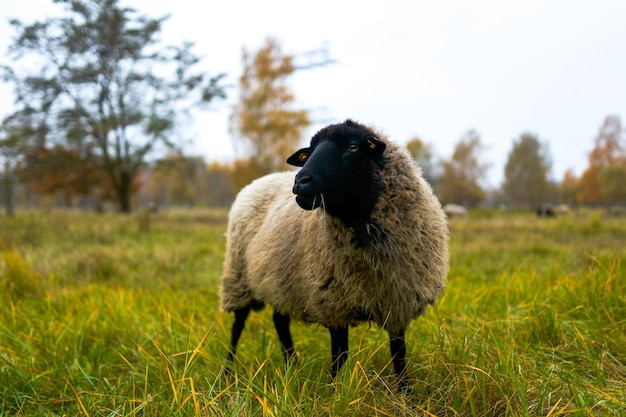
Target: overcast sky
{"type": "Point", "coordinates": [433, 69]}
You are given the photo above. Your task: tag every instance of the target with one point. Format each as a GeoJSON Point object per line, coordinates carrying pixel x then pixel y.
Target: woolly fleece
{"type": "Point", "coordinates": [309, 265]}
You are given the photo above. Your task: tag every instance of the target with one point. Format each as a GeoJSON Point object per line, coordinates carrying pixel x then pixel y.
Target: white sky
{"type": "Point", "coordinates": [433, 69]}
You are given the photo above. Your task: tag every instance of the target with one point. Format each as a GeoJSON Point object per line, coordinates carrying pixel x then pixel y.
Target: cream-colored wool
{"type": "Point", "coordinates": [306, 263]}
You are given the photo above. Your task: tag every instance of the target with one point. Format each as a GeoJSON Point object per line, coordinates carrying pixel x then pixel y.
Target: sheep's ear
{"type": "Point", "coordinates": [375, 146]}
{"type": "Point", "coordinates": [300, 157]}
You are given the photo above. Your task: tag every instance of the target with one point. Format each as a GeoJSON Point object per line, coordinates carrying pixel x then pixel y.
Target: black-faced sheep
{"type": "Point", "coordinates": [545, 210]}
{"type": "Point", "coordinates": [376, 250]}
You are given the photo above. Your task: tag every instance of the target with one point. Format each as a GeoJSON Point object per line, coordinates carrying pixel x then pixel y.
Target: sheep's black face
{"type": "Point", "coordinates": [340, 172]}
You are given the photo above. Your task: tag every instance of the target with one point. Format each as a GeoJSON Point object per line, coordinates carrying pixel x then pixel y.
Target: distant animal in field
{"type": "Point", "coordinates": [455, 210]}
{"type": "Point", "coordinates": [545, 210]}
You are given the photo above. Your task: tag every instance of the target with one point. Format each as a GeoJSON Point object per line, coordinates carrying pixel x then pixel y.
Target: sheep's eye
{"type": "Point", "coordinates": [353, 148]}
{"type": "Point", "coordinates": [303, 156]}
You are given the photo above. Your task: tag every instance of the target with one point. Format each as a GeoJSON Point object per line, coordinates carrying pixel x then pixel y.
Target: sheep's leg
{"type": "Point", "coordinates": [281, 322]}
{"type": "Point", "coordinates": [339, 348]}
{"type": "Point", "coordinates": [398, 353]}
{"type": "Point", "coordinates": [240, 320]}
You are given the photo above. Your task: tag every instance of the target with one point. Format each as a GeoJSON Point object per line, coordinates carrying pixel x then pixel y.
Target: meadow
{"type": "Point", "coordinates": [114, 315]}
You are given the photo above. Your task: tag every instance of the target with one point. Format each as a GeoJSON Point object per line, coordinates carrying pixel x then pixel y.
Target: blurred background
{"type": "Point", "coordinates": [117, 105]}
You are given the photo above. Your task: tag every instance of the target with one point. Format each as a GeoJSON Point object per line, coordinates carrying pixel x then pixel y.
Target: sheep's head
{"type": "Point", "coordinates": [340, 171]}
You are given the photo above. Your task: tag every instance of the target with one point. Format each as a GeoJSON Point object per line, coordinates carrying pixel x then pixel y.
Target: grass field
{"type": "Point", "coordinates": [111, 315]}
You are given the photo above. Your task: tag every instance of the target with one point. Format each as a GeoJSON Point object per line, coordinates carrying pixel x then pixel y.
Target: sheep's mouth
{"type": "Point", "coordinates": [309, 202]}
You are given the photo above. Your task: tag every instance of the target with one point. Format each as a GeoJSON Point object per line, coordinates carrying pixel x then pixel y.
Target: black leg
{"type": "Point", "coordinates": [339, 348]}
{"type": "Point", "coordinates": [281, 322]}
{"type": "Point", "coordinates": [398, 354]}
{"type": "Point", "coordinates": [240, 320]}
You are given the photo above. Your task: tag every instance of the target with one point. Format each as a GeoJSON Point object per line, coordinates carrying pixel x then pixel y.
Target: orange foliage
{"type": "Point", "coordinates": [59, 169]}
{"type": "Point", "coordinates": [264, 121]}
{"type": "Point", "coordinates": [607, 157]}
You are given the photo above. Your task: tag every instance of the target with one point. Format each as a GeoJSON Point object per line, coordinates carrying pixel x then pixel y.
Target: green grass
{"type": "Point", "coordinates": [111, 315]}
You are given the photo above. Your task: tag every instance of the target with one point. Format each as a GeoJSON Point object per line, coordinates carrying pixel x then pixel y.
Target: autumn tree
{"type": "Point", "coordinates": [570, 188]}
{"type": "Point", "coordinates": [220, 187]}
{"type": "Point", "coordinates": [265, 123]}
{"type": "Point", "coordinates": [60, 171]}
{"type": "Point", "coordinates": [103, 86]}
{"type": "Point", "coordinates": [613, 183]}
{"type": "Point", "coordinates": [178, 180]}
{"type": "Point", "coordinates": [603, 180]}
{"type": "Point", "coordinates": [464, 173]}
{"type": "Point", "coordinates": [526, 172]}
{"type": "Point", "coordinates": [244, 170]}
{"type": "Point", "coordinates": [423, 155]}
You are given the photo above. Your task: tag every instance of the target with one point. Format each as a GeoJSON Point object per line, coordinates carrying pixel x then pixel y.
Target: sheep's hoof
{"type": "Point", "coordinates": [227, 371]}
{"type": "Point", "coordinates": [404, 387]}
{"type": "Point", "coordinates": [332, 374]}
{"type": "Point", "coordinates": [292, 360]}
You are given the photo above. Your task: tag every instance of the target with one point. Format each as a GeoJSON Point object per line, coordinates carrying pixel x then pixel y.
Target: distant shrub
{"type": "Point", "coordinates": [16, 277]}
{"type": "Point", "coordinates": [96, 264]}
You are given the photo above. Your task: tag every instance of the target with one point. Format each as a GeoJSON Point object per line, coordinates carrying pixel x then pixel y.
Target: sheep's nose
{"type": "Point", "coordinates": [304, 179]}
{"type": "Point", "coordinates": [301, 181]}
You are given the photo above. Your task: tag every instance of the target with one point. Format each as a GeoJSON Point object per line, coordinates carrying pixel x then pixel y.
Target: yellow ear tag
{"type": "Point", "coordinates": [303, 156]}
{"type": "Point", "coordinates": [372, 144]}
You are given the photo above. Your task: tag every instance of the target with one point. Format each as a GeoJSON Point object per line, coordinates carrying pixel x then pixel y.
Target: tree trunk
{"type": "Point", "coordinates": [124, 203]}
{"type": "Point", "coordinates": [123, 192]}
{"type": "Point", "coordinates": [8, 190]}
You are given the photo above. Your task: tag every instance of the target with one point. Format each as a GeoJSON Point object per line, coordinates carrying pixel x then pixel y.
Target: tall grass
{"type": "Point", "coordinates": [109, 315]}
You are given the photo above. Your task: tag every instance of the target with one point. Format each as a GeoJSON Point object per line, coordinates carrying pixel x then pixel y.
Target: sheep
{"type": "Point", "coordinates": [455, 210]}
{"type": "Point", "coordinates": [364, 239]}
{"type": "Point", "coordinates": [545, 210]}
{"type": "Point", "coordinates": [561, 209]}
